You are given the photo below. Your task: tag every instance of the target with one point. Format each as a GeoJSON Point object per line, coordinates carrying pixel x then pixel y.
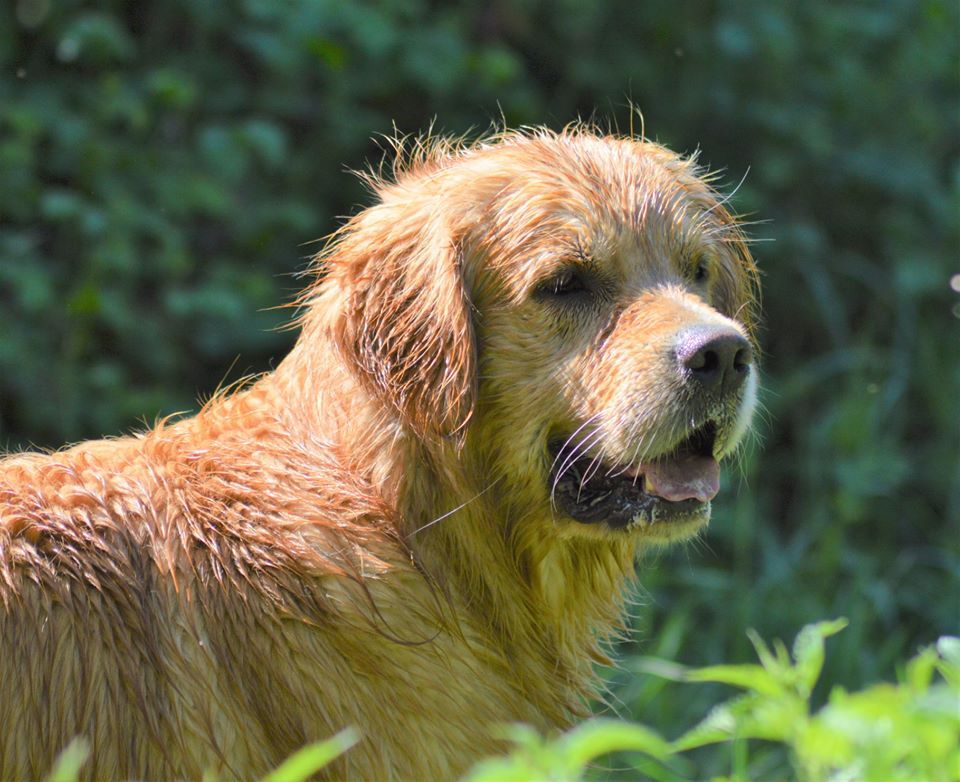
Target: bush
{"type": "Point", "coordinates": [885, 733]}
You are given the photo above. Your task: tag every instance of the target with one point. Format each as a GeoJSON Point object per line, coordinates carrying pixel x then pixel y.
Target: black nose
{"type": "Point", "coordinates": [717, 359]}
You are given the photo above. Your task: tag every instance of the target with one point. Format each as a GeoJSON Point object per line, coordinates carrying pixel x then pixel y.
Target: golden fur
{"type": "Point", "coordinates": [366, 536]}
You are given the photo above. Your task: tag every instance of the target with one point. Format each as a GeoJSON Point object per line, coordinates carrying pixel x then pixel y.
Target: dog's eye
{"type": "Point", "coordinates": [567, 283]}
{"type": "Point", "coordinates": [701, 270]}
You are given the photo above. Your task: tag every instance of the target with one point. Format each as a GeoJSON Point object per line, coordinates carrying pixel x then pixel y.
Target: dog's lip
{"type": "Point", "coordinates": [674, 486]}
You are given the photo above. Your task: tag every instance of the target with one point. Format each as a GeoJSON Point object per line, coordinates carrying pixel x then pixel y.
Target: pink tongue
{"type": "Point", "coordinates": [689, 478]}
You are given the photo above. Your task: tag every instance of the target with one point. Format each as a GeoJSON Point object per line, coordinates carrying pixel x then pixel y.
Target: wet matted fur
{"type": "Point", "coordinates": [516, 370]}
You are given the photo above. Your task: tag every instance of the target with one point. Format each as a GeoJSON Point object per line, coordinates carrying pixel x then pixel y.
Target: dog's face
{"type": "Point", "coordinates": [584, 324]}
{"type": "Point", "coordinates": [614, 372]}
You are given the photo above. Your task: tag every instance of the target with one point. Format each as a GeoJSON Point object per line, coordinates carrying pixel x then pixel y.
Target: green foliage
{"type": "Point", "coordinates": [303, 764]}
{"type": "Point", "coordinates": [71, 760]}
{"type": "Point", "coordinates": [167, 166]}
{"type": "Point", "coordinates": [909, 731]}
{"type": "Point", "coordinates": [566, 758]}
{"type": "Point", "coordinates": [299, 767]}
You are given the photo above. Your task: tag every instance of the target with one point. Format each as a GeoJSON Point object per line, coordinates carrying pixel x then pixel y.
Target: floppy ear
{"type": "Point", "coordinates": [406, 329]}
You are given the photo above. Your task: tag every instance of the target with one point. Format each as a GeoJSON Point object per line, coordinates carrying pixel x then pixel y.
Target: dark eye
{"type": "Point", "coordinates": [701, 270]}
{"type": "Point", "coordinates": [567, 283]}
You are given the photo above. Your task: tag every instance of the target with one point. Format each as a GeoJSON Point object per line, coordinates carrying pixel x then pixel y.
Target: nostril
{"type": "Point", "coordinates": [743, 359]}
{"type": "Point", "coordinates": [715, 358]}
{"type": "Point", "coordinates": [703, 361]}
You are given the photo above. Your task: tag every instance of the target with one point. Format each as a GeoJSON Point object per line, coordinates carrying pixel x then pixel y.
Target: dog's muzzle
{"type": "Point", "coordinates": [675, 486]}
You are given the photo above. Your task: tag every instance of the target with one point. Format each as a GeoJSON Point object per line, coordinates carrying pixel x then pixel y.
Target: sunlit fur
{"type": "Point", "coordinates": [365, 536]}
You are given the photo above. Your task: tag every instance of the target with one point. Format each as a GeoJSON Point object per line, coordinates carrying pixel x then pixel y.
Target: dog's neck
{"type": "Point", "coordinates": [546, 602]}
{"type": "Point", "coordinates": [552, 603]}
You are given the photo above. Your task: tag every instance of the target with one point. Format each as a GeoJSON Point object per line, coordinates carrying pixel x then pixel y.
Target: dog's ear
{"type": "Point", "coordinates": [406, 327]}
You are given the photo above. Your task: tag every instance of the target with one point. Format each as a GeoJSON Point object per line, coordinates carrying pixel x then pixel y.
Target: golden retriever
{"type": "Point", "coordinates": [517, 369]}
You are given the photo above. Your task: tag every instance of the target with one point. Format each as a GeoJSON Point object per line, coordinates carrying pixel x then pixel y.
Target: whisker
{"type": "Point", "coordinates": [732, 193]}
{"type": "Point", "coordinates": [581, 448]}
{"type": "Point", "coordinates": [590, 471]}
{"type": "Point", "coordinates": [569, 439]}
{"type": "Point", "coordinates": [460, 507]}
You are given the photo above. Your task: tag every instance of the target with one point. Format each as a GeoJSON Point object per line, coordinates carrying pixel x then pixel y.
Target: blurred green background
{"type": "Point", "coordinates": [165, 167]}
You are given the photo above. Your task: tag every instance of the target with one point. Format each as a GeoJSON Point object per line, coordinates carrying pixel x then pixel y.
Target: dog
{"type": "Point", "coordinates": [517, 370]}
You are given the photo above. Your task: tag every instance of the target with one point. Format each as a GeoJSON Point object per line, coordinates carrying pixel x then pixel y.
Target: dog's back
{"type": "Point", "coordinates": [199, 598]}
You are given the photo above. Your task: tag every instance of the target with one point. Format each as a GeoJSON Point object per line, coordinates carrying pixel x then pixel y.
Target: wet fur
{"type": "Point", "coordinates": [365, 536]}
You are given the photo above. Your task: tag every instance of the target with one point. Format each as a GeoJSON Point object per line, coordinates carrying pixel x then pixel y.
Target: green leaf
{"type": "Point", "coordinates": [97, 38]}
{"type": "Point", "coordinates": [808, 651]}
{"type": "Point", "coordinates": [60, 204]}
{"type": "Point", "coordinates": [68, 764]}
{"type": "Point", "coordinates": [510, 769]}
{"type": "Point", "coordinates": [518, 733]}
{"type": "Point", "coordinates": [173, 88]}
{"type": "Point", "coordinates": [330, 52]}
{"type": "Point", "coordinates": [919, 670]}
{"type": "Point", "coordinates": [772, 719]}
{"type": "Point", "coordinates": [948, 648]}
{"type": "Point", "coordinates": [719, 725]}
{"type": "Point", "coordinates": [309, 760]}
{"type": "Point", "coordinates": [531, 758]}
{"type": "Point", "coordinates": [602, 736]}
{"type": "Point", "coordinates": [749, 677]}
{"type": "Point", "coordinates": [665, 669]}
{"type": "Point", "coordinates": [767, 658]}
{"type": "Point", "coordinates": [267, 140]}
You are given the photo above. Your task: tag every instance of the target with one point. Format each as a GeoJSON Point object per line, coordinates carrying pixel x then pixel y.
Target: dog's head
{"type": "Point", "coordinates": [574, 311]}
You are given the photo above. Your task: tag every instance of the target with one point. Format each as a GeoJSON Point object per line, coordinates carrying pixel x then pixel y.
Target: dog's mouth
{"type": "Point", "coordinates": [674, 487]}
